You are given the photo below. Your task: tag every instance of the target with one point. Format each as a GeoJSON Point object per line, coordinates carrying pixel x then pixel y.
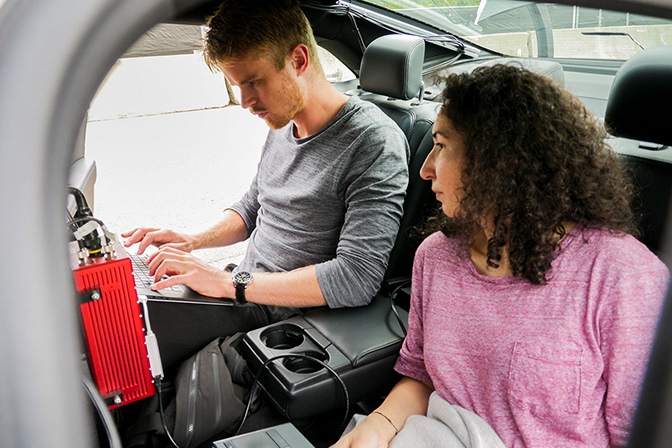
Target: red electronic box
{"type": "Point", "coordinates": [114, 331]}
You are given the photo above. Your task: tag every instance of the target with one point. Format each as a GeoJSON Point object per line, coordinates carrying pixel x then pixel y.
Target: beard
{"type": "Point", "coordinates": [294, 101]}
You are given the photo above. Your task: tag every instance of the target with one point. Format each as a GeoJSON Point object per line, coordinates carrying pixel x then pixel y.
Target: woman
{"type": "Point", "coordinates": [533, 306]}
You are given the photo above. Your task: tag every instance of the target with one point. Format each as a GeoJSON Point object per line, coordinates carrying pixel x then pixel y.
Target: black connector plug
{"type": "Point", "coordinates": [83, 210]}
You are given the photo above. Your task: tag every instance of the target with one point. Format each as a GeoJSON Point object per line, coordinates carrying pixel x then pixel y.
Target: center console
{"type": "Point", "coordinates": [361, 345]}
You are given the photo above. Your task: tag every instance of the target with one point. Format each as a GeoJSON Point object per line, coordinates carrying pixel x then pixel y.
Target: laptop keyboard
{"type": "Point", "coordinates": [141, 273]}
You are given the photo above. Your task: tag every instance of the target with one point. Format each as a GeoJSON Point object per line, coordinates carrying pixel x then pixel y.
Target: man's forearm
{"type": "Point", "coordinates": [228, 231]}
{"type": "Point", "coordinates": [297, 288]}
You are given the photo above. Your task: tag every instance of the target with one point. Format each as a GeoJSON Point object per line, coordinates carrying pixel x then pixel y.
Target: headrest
{"type": "Point", "coordinates": [639, 103]}
{"type": "Point", "coordinates": [392, 66]}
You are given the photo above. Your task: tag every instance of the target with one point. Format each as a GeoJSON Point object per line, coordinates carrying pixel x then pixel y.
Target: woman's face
{"type": "Point", "coordinates": [444, 165]}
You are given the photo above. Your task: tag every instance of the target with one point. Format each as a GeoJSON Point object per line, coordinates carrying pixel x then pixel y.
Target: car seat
{"type": "Point", "coordinates": [391, 78]}
{"type": "Point", "coordinates": [638, 111]}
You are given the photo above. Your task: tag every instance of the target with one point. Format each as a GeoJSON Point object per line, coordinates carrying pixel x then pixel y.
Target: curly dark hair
{"type": "Point", "coordinates": [535, 158]}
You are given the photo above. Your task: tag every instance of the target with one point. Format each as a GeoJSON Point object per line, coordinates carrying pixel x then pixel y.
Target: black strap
{"type": "Point", "coordinates": [240, 294]}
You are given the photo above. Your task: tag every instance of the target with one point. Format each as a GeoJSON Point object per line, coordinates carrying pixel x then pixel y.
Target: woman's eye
{"type": "Point", "coordinates": [439, 146]}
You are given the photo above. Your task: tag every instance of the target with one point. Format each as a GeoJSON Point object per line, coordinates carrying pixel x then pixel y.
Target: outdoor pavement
{"type": "Point", "coordinates": [168, 153]}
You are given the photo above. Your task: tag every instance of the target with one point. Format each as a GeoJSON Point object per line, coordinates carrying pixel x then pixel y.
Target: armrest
{"type": "Point", "coordinates": [360, 344]}
{"type": "Point", "coordinates": [364, 334]}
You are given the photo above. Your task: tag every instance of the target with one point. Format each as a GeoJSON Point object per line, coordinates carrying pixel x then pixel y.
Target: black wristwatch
{"type": "Point", "coordinates": [241, 280]}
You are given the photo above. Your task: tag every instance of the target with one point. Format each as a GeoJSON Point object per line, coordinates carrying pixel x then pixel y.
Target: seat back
{"type": "Point", "coordinates": [638, 109]}
{"type": "Point", "coordinates": [391, 78]}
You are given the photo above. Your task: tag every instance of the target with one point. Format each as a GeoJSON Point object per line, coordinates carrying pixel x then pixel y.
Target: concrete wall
{"type": "Point", "coordinates": [570, 43]}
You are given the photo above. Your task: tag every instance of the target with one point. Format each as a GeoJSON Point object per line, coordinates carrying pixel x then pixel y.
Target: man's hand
{"type": "Point", "coordinates": [160, 238]}
{"type": "Point", "coordinates": [185, 269]}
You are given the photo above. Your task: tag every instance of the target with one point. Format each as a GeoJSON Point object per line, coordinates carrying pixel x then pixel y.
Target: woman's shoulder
{"type": "Point", "coordinates": [437, 239]}
{"type": "Point", "coordinates": [438, 243]}
{"type": "Point", "coordinates": [617, 249]}
{"type": "Point", "coordinates": [439, 253]}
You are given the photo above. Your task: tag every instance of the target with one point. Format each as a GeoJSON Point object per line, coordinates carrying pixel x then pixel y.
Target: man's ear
{"type": "Point", "coordinates": [300, 59]}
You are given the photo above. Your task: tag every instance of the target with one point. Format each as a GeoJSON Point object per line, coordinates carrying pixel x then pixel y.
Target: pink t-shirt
{"type": "Point", "coordinates": [558, 365]}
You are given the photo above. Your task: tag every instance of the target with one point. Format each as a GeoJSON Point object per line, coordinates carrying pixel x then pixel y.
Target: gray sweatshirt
{"type": "Point", "coordinates": [333, 199]}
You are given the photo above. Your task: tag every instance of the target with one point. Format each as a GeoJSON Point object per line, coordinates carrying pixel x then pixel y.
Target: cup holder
{"type": "Point", "coordinates": [303, 365]}
{"type": "Point", "coordinates": [282, 337]}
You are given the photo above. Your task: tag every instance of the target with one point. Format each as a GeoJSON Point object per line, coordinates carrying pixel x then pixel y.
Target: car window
{"type": "Point", "coordinates": [527, 29]}
{"type": "Point", "coordinates": [334, 69]}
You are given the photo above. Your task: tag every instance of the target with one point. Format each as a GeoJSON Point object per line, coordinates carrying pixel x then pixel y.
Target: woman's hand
{"type": "Point", "coordinates": [374, 432]}
{"type": "Point", "coordinates": [408, 397]}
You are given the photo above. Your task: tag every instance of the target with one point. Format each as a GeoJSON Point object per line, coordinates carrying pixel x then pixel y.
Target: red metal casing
{"type": "Point", "coordinates": [114, 330]}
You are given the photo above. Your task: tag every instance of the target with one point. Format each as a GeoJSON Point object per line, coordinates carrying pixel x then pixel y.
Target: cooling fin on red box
{"type": "Point", "coordinates": [114, 330]}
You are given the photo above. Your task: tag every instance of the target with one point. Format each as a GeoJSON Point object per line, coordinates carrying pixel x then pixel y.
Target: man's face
{"type": "Point", "coordinates": [271, 94]}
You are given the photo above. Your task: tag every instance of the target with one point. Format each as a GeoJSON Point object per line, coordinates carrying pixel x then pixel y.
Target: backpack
{"type": "Point", "coordinates": [210, 395]}
{"type": "Point", "coordinates": [211, 391]}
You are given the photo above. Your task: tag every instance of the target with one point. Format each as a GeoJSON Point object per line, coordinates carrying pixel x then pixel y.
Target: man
{"type": "Point", "coordinates": [324, 209]}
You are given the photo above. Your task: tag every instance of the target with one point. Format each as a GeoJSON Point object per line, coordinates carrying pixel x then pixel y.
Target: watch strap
{"type": "Point", "coordinates": [240, 293]}
{"type": "Point", "coordinates": [241, 280]}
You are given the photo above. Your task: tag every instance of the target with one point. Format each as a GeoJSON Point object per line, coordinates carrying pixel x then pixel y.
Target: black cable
{"type": "Point", "coordinates": [82, 206]}
{"type": "Point", "coordinates": [446, 37]}
{"type": "Point", "coordinates": [86, 219]}
{"type": "Point", "coordinates": [442, 65]}
{"type": "Point", "coordinates": [157, 381]}
{"type": "Point", "coordinates": [393, 305]}
{"type": "Point", "coordinates": [355, 28]}
{"type": "Point", "coordinates": [68, 215]}
{"type": "Point", "coordinates": [255, 383]}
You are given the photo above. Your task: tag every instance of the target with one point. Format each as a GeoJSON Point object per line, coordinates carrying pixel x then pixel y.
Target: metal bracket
{"type": "Point", "coordinates": [90, 296]}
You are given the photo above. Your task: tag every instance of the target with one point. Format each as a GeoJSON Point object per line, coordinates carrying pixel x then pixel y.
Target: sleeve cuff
{"type": "Point", "coordinates": [411, 369]}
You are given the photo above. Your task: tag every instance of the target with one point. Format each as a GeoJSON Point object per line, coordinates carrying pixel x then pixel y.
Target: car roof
{"type": "Point", "coordinates": [658, 8]}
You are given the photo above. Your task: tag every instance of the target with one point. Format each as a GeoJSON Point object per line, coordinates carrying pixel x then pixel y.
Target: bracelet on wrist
{"type": "Point", "coordinates": [396, 431]}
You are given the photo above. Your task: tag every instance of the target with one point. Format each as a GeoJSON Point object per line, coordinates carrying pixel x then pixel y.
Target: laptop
{"type": "Point", "coordinates": [176, 293]}
{"type": "Point", "coordinates": [281, 436]}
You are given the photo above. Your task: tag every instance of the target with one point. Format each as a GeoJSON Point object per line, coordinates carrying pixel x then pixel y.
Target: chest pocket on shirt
{"type": "Point", "coordinates": [545, 378]}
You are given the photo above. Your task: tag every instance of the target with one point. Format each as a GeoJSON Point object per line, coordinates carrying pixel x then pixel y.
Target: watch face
{"type": "Point", "coordinates": [242, 278]}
